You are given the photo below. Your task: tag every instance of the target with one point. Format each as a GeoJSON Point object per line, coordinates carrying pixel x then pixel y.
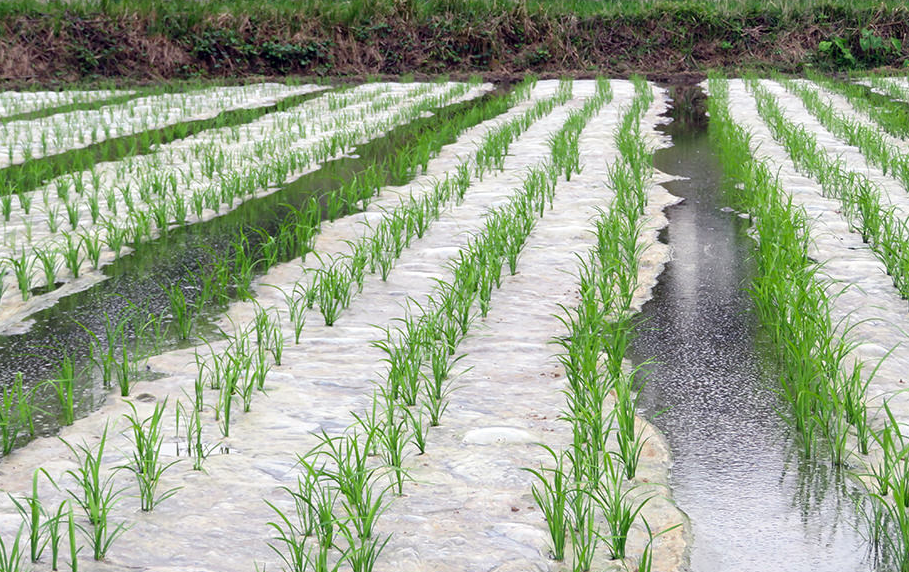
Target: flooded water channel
{"type": "Point", "coordinates": [754, 504]}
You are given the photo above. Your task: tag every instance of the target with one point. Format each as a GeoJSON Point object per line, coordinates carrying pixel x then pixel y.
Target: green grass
{"type": "Point", "coordinates": [362, 11]}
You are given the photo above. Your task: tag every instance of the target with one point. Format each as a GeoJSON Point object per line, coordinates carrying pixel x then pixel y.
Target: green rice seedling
{"type": "Point", "coordinates": [617, 506]}
{"type": "Point", "coordinates": [22, 266]}
{"type": "Point", "coordinates": [71, 534]}
{"type": "Point", "coordinates": [296, 307]}
{"type": "Point", "coordinates": [31, 510]}
{"type": "Point", "coordinates": [584, 532]}
{"type": "Point", "coordinates": [97, 496]}
{"type": "Point", "coordinates": [24, 405]}
{"type": "Point", "coordinates": [268, 247]}
{"type": "Point", "coordinates": [419, 430]}
{"type": "Point", "coordinates": [361, 553]}
{"type": "Point", "coordinates": [191, 418]}
{"type": "Point", "coordinates": [72, 213]}
{"type": "Point", "coordinates": [50, 264]}
{"type": "Point", "coordinates": [551, 496]}
{"type": "Point", "coordinates": [182, 313]}
{"type": "Point", "coordinates": [291, 545]}
{"type": "Point", "coordinates": [92, 242]}
{"type": "Point", "coordinates": [25, 201]}
{"type": "Point", "coordinates": [6, 206]}
{"type": "Point", "coordinates": [333, 290]}
{"type": "Point", "coordinates": [314, 501]}
{"type": "Point", "coordinates": [13, 420]}
{"type": "Point", "coordinates": [54, 534]}
{"type": "Point", "coordinates": [64, 387]}
{"type": "Point", "coordinates": [244, 266]}
{"type": "Point", "coordinates": [11, 559]}
{"type": "Point", "coordinates": [146, 464]}
{"type": "Point", "coordinates": [393, 435]}
{"type": "Point", "coordinates": [115, 237]}
{"type": "Point", "coordinates": [261, 367]}
{"type": "Point", "coordinates": [94, 205]}
{"type": "Point", "coordinates": [53, 223]}
{"type": "Point", "coordinates": [353, 477]}
{"type": "Point", "coordinates": [630, 442]}
{"type": "Point", "coordinates": [180, 208]}
{"type": "Point", "coordinates": [72, 254]}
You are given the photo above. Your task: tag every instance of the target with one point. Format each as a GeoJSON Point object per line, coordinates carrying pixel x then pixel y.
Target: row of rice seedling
{"type": "Point", "coordinates": [20, 102]}
{"type": "Point", "coordinates": [588, 494]}
{"type": "Point", "coordinates": [25, 140]}
{"type": "Point", "coordinates": [364, 504]}
{"type": "Point", "coordinates": [894, 87]}
{"type": "Point", "coordinates": [110, 230]}
{"type": "Point", "coordinates": [332, 283]}
{"type": "Point", "coordinates": [892, 116]}
{"type": "Point", "coordinates": [23, 177]}
{"type": "Point", "coordinates": [862, 198]}
{"type": "Point", "coordinates": [873, 144]}
{"type": "Point", "coordinates": [420, 354]}
{"type": "Point", "coordinates": [227, 278]}
{"type": "Point", "coordinates": [378, 248]}
{"type": "Point", "coordinates": [233, 365]}
{"type": "Point", "coordinates": [795, 304]}
{"type": "Point", "coordinates": [116, 352]}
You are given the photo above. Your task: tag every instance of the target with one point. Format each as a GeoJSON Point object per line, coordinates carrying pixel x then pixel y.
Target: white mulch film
{"type": "Point", "coordinates": [18, 102]}
{"type": "Point", "coordinates": [190, 169]}
{"type": "Point", "coordinates": [863, 294]}
{"type": "Point", "coordinates": [469, 506]}
{"type": "Point", "coordinates": [20, 140]}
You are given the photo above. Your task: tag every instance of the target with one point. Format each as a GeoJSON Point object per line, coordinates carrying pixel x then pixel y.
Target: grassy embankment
{"type": "Point", "coordinates": [47, 41]}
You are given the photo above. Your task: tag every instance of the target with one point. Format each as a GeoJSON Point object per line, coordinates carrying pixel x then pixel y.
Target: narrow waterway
{"type": "Point", "coordinates": [754, 504]}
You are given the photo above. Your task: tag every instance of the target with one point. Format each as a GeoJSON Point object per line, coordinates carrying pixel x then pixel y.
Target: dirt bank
{"type": "Point", "coordinates": [65, 45]}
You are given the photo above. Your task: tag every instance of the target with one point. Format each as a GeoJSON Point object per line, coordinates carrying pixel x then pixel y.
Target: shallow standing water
{"type": "Point", "coordinates": [754, 504]}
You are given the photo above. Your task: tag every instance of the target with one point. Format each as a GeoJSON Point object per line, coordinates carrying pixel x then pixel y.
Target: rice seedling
{"type": "Point", "coordinates": [630, 442]}
{"type": "Point", "coordinates": [584, 531]}
{"type": "Point", "coordinates": [73, 214]}
{"type": "Point", "coordinates": [618, 508]}
{"type": "Point", "coordinates": [182, 313]}
{"type": "Point", "coordinates": [31, 510]}
{"type": "Point", "coordinates": [146, 464]}
{"type": "Point", "coordinates": [15, 415]}
{"type": "Point", "coordinates": [353, 477]}
{"type": "Point", "coordinates": [72, 254]}
{"type": "Point", "coordinates": [50, 264]}
{"type": "Point", "coordinates": [361, 553]}
{"type": "Point", "coordinates": [97, 496]}
{"type": "Point", "coordinates": [11, 558]}
{"type": "Point", "coordinates": [71, 534]}
{"type": "Point", "coordinates": [393, 435]}
{"type": "Point", "coordinates": [54, 534]}
{"type": "Point", "coordinates": [333, 289]}
{"type": "Point", "coordinates": [192, 426]}
{"type": "Point", "coordinates": [64, 388]}
{"type": "Point", "coordinates": [22, 266]}
{"type": "Point", "coordinates": [551, 496]}
{"type": "Point", "coordinates": [93, 244]}
{"type": "Point", "coordinates": [6, 206]}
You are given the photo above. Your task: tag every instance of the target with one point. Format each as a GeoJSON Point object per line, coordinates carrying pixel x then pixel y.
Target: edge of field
{"type": "Point", "coordinates": [61, 43]}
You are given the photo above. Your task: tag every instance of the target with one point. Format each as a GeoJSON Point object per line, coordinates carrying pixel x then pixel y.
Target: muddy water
{"type": "Point", "coordinates": [754, 504]}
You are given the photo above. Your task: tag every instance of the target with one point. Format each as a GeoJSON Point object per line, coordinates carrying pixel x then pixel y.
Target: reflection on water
{"type": "Point", "coordinates": [754, 504]}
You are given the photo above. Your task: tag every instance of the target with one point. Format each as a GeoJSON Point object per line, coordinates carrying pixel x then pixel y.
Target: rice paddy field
{"type": "Point", "coordinates": [444, 325]}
